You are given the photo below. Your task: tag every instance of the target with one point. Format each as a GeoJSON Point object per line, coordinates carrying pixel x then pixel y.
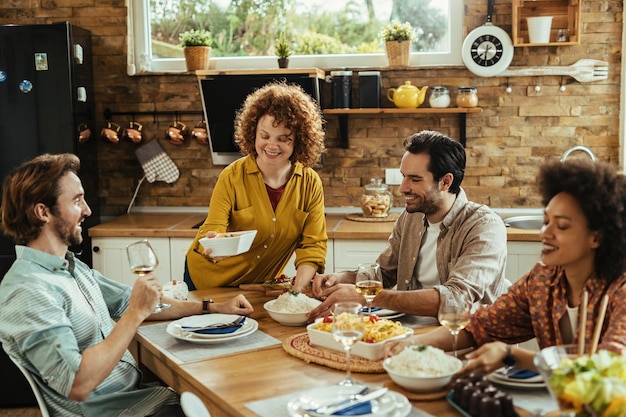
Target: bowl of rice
{"type": "Point", "coordinates": [290, 308]}
{"type": "Point", "coordinates": [422, 368]}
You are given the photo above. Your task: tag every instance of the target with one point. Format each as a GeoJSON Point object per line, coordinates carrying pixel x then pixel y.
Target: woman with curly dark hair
{"type": "Point", "coordinates": [272, 189]}
{"type": "Point", "coordinates": [583, 255]}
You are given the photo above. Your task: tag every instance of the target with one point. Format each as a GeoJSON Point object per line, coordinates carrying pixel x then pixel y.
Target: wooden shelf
{"type": "Point", "coordinates": [461, 111]}
{"type": "Point", "coordinates": [566, 15]}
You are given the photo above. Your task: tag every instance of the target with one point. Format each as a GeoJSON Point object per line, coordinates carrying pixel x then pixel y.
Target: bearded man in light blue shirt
{"type": "Point", "coordinates": [56, 312]}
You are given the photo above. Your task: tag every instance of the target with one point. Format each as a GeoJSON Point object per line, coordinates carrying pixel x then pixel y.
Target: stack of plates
{"type": "Point", "coordinates": [175, 328]}
{"type": "Point", "coordinates": [391, 404]}
{"type": "Point", "coordinates": [522, 379]}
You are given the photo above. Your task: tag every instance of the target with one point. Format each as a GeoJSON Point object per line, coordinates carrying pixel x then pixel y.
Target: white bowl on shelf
{"type": "Point", "coordinates": [229, 243]}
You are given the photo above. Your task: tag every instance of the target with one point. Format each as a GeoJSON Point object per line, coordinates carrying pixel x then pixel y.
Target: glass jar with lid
{"type": "Point", "coordinates": [467, 97]}
{"type": "Point", "coordinates": [439, 97]}
{"type": "Point", "coordinates": [376, 201]}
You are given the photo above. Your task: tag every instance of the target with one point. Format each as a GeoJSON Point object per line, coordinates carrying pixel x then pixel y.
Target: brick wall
{"type": "Point", "coordinates": [505, 143]}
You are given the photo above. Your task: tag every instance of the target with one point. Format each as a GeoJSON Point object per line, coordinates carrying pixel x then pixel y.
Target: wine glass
{"type": "Point", "coordinates": [369, 282]}
{"type": "Point", "coordinates": [454, 314]}
{"type": "Point", "coordinates": [142, 260]}
{"type": "Point", "coordinates": [347, 328]}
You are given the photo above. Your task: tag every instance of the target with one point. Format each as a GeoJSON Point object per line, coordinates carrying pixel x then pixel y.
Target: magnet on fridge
{"type": "Point", "coordinates": [81, 94]}
{"type": "Point", "coordinates": [26, 86]}
{"type": "Point", "coordinates": [3, 76]}
{"type": "Point", "coordinates": [78, 53]}
{"type": "Point", "coordinates": [41, 61]}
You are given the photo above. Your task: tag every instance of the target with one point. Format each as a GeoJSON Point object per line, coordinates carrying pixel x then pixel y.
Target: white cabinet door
{"type": "Point", "coordinates": [290, 269]}
{"type": "Point", "coordinates": [349, 253]}
{"type": "Point", "coordinates": [178, 249]}
{"type": "Point", "coordinates": [109, 257]}
{"type": "Point", "coordinates": [521, 257]}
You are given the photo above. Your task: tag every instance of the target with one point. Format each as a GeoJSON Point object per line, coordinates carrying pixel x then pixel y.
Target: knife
{"type": "Point", "coordinates": [332, 409]}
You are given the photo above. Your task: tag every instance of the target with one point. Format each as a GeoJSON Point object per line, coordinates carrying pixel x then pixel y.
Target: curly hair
{"type": "Point", "coordinates": [288, 104]}
{"type": "Point", "coordinates": [601, 193]}
{"type": "Point", "coordinates": [35, 181]}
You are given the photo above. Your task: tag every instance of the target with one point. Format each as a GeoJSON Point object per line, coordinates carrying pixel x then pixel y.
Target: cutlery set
{"type": "Point", "coordinates": [238, 322]}
{"type": "Point", "coordinates": [351, 402]}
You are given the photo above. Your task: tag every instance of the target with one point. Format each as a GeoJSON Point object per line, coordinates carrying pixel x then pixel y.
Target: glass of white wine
{"type": "Point", "coordinates": [142, 260]}
{"type": "Point", "coordinates": [369, 282]}
{"type": "Point", "coordinates": [454, 314]}
{"type": "Point", "coordinates": [348, 328]}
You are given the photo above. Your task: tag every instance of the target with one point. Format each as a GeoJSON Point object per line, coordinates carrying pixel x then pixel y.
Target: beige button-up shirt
{"type": "Point", "coordinates": [471, 252]}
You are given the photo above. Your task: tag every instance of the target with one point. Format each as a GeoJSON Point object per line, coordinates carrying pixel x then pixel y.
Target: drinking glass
{"type": "Point", "coordinates": [369, 282]}
{"type": "Point", "coordinates": [347, 328]}
{"type": "Point", "coordinates": [455, 315]}
{"type": "Point", "coordinates": [143, 260]}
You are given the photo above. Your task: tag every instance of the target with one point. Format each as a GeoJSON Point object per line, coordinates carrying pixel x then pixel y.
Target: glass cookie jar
{"type": "Point", "coordinates": [467, 97]}
{"type": "Point", "coordinates": [376, 201]}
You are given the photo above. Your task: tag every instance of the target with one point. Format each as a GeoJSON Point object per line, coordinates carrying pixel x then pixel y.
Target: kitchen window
{"type": "Point", "coordinates": [144, 56]}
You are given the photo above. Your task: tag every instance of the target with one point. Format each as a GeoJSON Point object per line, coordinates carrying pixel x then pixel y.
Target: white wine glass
{"type": "Point", "coordinates": [142, 260]}
{"type": "Point", "coordinates": [454, 314]}
{"type": "Point", "coordinates": [347, 329]}
{"type": "Point", "coordinates": [369, 282]}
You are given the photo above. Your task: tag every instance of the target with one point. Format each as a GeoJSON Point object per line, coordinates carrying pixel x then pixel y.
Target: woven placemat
{"type": "Point", "coordinates": [360, 217]}
{"type": "Point", "coordinates": [300, 346]}
{"type": "Point", "coordinates": [416, 396]}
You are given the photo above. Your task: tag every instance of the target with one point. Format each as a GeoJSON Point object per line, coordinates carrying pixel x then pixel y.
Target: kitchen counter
{"type": "Point", "coordinates": [182, 225]}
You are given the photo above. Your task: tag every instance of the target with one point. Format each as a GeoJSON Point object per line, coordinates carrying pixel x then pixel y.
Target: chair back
{"type": "Point", "coordinates": [193, 406]}
{"type": "Point", "coordinates": [34, 387]}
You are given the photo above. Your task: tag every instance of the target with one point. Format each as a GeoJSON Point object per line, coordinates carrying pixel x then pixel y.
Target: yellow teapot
{"type": "Point", "coordinates": [407, 96]}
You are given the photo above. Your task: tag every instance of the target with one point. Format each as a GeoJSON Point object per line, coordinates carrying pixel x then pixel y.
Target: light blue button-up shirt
{"type": "Point", "coordinates": [51, 310]}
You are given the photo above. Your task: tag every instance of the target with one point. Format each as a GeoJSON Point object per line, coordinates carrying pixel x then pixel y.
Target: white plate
{"type": "Point", "coordinates": [208, 319]}
{"type": "Point", "coordinates": [518, 383]}
{"type": "Point", "coordinates": [174, 330]}
{"type": "Point", "coordinates": [392, 404]}
{"type": "Point", "coordinates": [387, 314]}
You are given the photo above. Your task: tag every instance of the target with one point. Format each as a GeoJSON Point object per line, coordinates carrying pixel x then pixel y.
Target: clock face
{"type": "Point", "coordinates": [487, 50]}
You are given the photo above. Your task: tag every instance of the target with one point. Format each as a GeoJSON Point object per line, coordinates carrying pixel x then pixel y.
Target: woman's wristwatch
{"type": "Point", "coordinates": [205, 305]}
{"type": "Point", "coordinates": [509, 360]}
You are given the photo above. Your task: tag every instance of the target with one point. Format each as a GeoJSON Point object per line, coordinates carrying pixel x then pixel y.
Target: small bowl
{"type": "Point", "coordinates": [286, 319]}
{"type": "Point", "coordinates": [419, 383]}
{"type": "Point", "coordinates": [230, 243]}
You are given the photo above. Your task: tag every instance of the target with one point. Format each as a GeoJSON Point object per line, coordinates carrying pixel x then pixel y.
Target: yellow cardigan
{"type": "Point", "coordinates": [240, 202]}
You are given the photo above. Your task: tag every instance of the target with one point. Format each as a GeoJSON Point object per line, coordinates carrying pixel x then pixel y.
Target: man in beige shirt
{"type": "Point", "coordinates": [442, 246]}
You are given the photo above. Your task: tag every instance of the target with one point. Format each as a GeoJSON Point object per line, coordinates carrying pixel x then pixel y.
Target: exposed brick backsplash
{"type": "Point", "coordinates": [505, 143]}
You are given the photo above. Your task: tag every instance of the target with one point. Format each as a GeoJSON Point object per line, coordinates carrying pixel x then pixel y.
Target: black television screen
{"type": "Point", "coordinates": [223, 95]}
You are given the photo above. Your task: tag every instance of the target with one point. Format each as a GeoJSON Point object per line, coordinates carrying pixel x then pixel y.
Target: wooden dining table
{"type": "Point", "coordinates": [228, 382]}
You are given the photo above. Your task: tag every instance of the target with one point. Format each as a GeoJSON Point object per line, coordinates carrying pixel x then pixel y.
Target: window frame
{"type": "Point", "coordinates": [139, 61]}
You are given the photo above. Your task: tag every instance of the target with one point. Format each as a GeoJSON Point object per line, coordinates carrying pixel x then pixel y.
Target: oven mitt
{"type": "Point", "coordinates": [156, 164]}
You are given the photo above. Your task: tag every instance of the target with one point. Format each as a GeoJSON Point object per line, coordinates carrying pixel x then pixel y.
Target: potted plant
{"type": "Point", "coordinates": [282, 49]}
{"type": "Point", "coordinates": [197, 48]}
{"type": "Point", "coordinates": [397, 37]}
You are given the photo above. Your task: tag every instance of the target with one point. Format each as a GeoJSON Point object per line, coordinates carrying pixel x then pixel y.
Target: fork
{"type": "Point", "coordinates": [237, 322]}
{"type": "Point", "coordinates": [583, 70]}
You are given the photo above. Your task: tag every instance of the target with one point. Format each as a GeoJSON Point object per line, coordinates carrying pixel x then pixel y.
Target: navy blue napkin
{"type": "Point", "coordinates": [356, 409]}
{"type": "Point", "coordinates": [522, 374]}
{"type": "Point", "coordinates": [222, 330]}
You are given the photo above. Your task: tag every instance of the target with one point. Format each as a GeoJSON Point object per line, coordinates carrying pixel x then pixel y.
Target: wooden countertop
{"type": "Point", "coordinates": [180, 225]}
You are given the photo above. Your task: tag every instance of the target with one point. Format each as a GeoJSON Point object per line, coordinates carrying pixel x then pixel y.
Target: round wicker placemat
{"type": "Point", "coordinates": [416, 396]}
{"type": "Point", "coordinates": [299, 346]}
{"type": "Point", "coordinates": [359, 217]}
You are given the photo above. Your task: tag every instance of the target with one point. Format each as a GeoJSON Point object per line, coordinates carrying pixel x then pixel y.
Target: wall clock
{"type": "Point", "coordinates": [487, 50]}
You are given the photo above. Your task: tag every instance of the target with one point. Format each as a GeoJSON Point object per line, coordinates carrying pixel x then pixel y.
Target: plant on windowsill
{"type": "Point", "coordinates": [397, 37]}
{"type": "Point", "coordinates": [197, 48]}
{"type": "Point", "coordinates": [282, 49]}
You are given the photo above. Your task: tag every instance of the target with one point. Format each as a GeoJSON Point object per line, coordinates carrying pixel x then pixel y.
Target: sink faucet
{"type": "Point", "coordinates": [585, 149]}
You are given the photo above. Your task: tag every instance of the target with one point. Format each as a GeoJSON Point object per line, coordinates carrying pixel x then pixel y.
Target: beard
{"type": "Point", "coordinates": [430, 203]}
{"type": "Point", "coordinates": [68, 233]}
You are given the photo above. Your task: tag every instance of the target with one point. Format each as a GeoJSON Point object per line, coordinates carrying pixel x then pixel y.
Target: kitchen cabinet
{"type": "Point", "coordinates": [565, 15]}
{"type": "Point", "coordinates": [461, 111]}
{"type": "Point", "coordinates": [521, 257]}
{"type": "Point", "coordinates": [349, 253]}
{"type": "Point", "coordinates": [109, 257]}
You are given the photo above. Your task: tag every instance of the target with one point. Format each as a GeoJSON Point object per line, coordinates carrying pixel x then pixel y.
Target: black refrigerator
{"type": "Point", "coordinates": [46, 103]}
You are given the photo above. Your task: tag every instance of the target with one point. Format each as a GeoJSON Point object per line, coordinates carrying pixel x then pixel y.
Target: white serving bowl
{"type": "Point", "coordinates": [417, 383]}
{"type": "Point", "coordinates": [287, 319]}
{"type": "Point", "coordinates": [230, 243]}
{"type": "Point", "coordinates": [371, 351]}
